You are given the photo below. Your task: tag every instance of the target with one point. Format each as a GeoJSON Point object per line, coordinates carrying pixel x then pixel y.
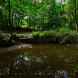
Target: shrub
{"type": "Point", "coordinates": [35, 34]}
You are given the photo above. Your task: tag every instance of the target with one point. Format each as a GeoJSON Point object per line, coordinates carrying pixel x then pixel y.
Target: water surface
{"type": "Point", "coordinates": [55, 55]}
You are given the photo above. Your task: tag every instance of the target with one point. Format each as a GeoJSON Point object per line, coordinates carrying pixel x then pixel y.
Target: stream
{"type": "Point", "coordinates": [39, 57]}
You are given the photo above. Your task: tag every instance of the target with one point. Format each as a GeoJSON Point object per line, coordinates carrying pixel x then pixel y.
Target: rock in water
{"type": "Point", "coordinates": [21, 46]}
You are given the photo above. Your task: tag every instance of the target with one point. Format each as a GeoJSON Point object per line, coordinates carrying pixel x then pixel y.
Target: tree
{"type": "Point", "coordinates": [73, 9]}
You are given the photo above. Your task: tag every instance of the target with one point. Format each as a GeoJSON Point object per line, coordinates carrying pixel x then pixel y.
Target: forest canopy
{"type": "Point", "coordinates": [40, 15]}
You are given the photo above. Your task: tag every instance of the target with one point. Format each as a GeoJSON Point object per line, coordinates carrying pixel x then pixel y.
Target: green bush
{"type": "Point", "coordinates": [43, 35]}
{"type": "Point", "coordinates": [54, 34]}
{"type": "Point", "coordinates": [35, 34]}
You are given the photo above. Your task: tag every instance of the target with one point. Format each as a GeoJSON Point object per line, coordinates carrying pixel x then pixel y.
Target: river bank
{"type": "Point", "coordinates": [50, 37]}
{"type": "Point", "coordinates": [7, 39]}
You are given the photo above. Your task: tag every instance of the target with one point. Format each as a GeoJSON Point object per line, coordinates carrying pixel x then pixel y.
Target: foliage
{"type": "Point", "coordinates": [39, 15]}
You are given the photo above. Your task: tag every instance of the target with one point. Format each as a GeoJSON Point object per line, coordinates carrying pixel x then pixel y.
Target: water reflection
{"type": "Point", "coordinates": [30, 66]}
{"type": "Point", "coordinates": [43, 61]}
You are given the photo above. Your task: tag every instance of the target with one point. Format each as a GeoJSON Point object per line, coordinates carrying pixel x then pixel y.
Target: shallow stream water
{"type": "Point", "coordinates": [53, 53]}
{"type": "Point", "coordinates": [52, 56]}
